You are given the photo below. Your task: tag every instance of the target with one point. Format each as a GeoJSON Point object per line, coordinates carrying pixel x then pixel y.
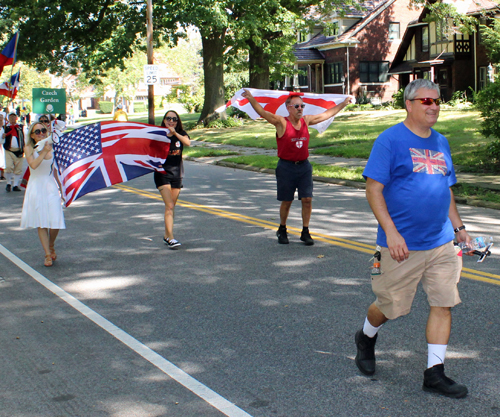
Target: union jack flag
{"type": "Point", "coordinates": [102, 154]}
{"type": "Point", "coordinates": [273, 101]}
{"type": "Point", "coordinates": [428, 162]}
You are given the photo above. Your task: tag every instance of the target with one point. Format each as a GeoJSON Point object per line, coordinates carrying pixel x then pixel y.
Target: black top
{"type": "Point", "coordinates": [173, 165]}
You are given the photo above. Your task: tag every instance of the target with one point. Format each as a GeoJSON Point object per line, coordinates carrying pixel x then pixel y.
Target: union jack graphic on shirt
{"type": "Point", "coordinates": [426, 161]}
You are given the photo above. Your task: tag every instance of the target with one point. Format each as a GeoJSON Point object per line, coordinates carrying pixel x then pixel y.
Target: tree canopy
{"type": "Point", "coordinates": [71, 35]}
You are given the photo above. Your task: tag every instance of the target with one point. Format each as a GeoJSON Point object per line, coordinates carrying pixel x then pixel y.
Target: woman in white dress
{"type": "Point", "coordinates": [42, 201]}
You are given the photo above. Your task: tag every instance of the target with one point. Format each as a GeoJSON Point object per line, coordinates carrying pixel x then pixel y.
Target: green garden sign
{"type": "Point", "coordinates": [49, 100]}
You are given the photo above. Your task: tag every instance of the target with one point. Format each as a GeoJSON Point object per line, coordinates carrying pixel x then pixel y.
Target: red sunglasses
{"type": "Point", "coordinates": [427, 101]}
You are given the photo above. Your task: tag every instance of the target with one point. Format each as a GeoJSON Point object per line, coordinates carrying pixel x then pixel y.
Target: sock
{"type": "Point", "coordinates": [282, 226]}
{"type": "Point", "coordinates": [369, 330]}
{"type": "Point", "coordinates": [435, 354]}
{"type": "Point", "coordinates": [305, 229]}
{"type": "Point", "coordinates": [16, 180]}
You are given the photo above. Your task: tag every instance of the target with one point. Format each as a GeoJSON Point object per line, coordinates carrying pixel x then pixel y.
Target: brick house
{"type": "Point", "coordinates": [355, 57]}
{"type": "Point", "coordinates": [439, 52]}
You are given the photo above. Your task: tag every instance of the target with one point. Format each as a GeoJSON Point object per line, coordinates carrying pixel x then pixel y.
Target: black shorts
{"type": "Point", "coordinates": [162, 179]}
{"type": "Point", "coordinates": [291, 176]}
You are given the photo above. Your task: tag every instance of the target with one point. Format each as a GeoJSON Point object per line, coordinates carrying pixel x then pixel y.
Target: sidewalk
{"type": "Point", "coordinates": [490, 182]}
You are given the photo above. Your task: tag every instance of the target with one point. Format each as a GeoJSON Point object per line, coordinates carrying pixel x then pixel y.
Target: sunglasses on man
{"type": "Point", "coordinates": [171, 119]}
{"type": "Point", "coordinates": [427, 101]}
{"type": "Point", "coordinates": [297, 105]}
{"type": "Point", "coordinates": [44, 121]}
{"type": "Point", "coordinates": [39, 131]}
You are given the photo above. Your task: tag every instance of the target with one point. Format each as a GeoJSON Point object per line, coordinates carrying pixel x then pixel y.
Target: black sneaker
{"type": "Point", "coordinates": [8, 188]}
{"type": "Point", "coordinates": [282, 235]}
{"type": "Point", "coordinates": [16, 188]}
{"type": "Point", "coordinates": [436, 381]}
{"type": "Point", "coordinates": [365, 358]}
{"type": "Point", "coordinates": [172, 243]}
{"type": "Point", "coordinates": [306, 238]}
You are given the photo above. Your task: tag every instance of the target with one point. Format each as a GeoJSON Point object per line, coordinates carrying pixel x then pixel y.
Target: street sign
{"type": "Point", "coordinates": [151, 74]}
{"type": "Point", "coordinates": [49, 100]}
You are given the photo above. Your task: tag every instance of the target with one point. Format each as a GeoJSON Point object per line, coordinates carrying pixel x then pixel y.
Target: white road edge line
{"type": "Point", "coordinates": [177, 374]}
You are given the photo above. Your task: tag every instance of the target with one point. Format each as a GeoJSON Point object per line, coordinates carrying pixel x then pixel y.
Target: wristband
{"type": "Point", "coordinates": [459, 228]}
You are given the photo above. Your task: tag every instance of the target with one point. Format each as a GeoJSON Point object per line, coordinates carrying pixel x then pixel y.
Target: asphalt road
{"type": "Point", "coordinates": [230, 324]}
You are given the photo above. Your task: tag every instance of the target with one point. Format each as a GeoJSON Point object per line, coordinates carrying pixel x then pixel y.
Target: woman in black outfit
{"type": "Point", "coordinates": [170, 183]}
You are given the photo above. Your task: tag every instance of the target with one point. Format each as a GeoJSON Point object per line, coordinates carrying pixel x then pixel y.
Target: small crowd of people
{"type": "Point", "coordinates": [409, 175]}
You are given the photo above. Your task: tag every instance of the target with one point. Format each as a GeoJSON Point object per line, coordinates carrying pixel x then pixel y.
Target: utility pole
{"type": "Point", "coordinates": [151, 90]}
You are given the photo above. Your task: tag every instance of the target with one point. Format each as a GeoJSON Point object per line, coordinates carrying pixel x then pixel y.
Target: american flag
{"type": "Point", "coordinates": [102, 154]}
{"type": "Point", "coordinates": [428, 162]}
{"type": "Point", "coordinates": [274, 102]}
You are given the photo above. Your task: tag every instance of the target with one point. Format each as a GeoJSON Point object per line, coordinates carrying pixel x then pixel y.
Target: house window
{"type": "Point", "coordinates": [331, 29]}
{"type": "Point", "coordinates": [483, 77]}
{"type": "Point", "coordinates": [333, 73]}
{"type": "Point", "coordinates": [441, 31]}
{"type": "Point", "coordinates": [302, 37]}
{"type": "Point", "coordinates": [303, 76]}
{"type": "Point", "coordinates": [374, 72]}
{"type": "Point", "coordinates": [394, 31]}
{"type": "Point", "coordinates": [425, 39]}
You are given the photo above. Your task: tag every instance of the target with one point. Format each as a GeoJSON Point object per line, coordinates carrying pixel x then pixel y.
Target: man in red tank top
{"type": "Point", "coordinates": [294, 172]}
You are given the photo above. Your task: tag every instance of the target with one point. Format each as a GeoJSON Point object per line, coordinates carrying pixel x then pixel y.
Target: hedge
{"type": "Point", "coordinates": [106, 106]}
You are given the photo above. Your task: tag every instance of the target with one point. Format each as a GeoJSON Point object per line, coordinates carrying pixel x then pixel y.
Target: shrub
{"type": "Point", "coordinates": [106, 106]}
{"type": "Point", "coordinates": [398, 96]}
{"type": "Point", "coordinates": [493, 151]}
{"type": "Point", "coordinates": [229, 122]}
{"type": "Point", "coordinates": [458, 99]}
{"type": "Point", "coordinates": [139, 106]}
{"type": "Point", "coordinates": [488, 103]}
{"type": "Point", "coordinates": [234, 112]}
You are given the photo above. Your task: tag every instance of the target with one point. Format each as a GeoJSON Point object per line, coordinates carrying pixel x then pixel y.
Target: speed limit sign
{"type": "Point", "coordinates": [151, 74]}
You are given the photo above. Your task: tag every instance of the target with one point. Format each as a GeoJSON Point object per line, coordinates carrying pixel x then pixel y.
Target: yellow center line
{"type": "Point", "coordinates": [344, 243]}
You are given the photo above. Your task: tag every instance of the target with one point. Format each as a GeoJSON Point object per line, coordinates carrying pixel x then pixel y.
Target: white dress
{"type": "Point", "coordinates": [42, 200]}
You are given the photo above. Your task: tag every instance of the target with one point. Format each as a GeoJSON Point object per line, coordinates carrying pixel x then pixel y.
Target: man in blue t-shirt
{"type": "Point", "coordinates": [408, 179]}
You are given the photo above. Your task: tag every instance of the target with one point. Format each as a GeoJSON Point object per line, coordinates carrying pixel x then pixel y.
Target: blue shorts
{"type": "Point", "coordinates": [292, 176]}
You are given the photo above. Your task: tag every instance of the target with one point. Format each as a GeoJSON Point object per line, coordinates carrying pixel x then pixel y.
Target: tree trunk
{"type": "Point", "coordinates": [213, 69]}
{"type": "Point", "coordinates": [258, 62]}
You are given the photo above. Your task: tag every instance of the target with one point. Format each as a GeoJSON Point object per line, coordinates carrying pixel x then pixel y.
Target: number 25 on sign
{"type": "Point", "coordinates": [151, 75]}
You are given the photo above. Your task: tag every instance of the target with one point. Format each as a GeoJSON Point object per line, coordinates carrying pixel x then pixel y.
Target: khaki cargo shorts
{"type": "Point", "coordinates": [438, 269]}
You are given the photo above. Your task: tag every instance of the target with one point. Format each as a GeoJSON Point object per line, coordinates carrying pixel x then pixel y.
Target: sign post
{"type": "Point", "coordinates": [49, 100]}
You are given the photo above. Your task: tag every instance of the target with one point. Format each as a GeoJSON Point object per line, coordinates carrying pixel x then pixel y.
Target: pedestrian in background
{"type": "Point", "coordinates": [170, 183]}
{"type": "Point", "coordinates": [408, 179]}
{"type": "Point", "coordinates": [42, 207]}
{"type": "Point", "coordinates": [2, 152]}
{"type": "Point", "coordinates": [120, 115]}
{"type": "Point", "coordinates": [13, 144]}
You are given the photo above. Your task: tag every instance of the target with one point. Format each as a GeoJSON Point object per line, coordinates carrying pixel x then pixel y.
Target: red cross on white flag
{"type": "Point", "coordinates": [274, 102]}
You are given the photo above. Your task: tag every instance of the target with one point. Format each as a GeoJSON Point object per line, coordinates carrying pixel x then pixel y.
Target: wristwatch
{"type": "Point", "coordinates": [459, 228]}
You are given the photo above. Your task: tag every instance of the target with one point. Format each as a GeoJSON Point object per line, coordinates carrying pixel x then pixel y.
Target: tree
{"type": "Point", "coordinates": [491, 39]}
{"type": "Point", "coordinates": [71, 35]}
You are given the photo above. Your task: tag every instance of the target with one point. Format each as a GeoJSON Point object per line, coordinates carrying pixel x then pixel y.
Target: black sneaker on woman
{"type": "Point", "coordinates": [172, 243]}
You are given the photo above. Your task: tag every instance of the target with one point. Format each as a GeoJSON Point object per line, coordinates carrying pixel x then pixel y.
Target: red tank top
{"type": "Point", "coordinates": [294, 144]}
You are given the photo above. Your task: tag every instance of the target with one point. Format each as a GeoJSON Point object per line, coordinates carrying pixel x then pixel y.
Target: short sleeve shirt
{"type": "Point", "coordinates": [173, 165]}
{"type": "Point", "coordinates": [417, 174]}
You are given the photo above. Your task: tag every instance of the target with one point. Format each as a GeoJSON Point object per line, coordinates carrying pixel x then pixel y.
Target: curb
{"type": "Point", "coordinates": [347, 183]}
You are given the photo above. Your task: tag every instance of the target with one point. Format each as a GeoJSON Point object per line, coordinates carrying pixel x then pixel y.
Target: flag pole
{"type": "Point", "coordinates": [11, 87]}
